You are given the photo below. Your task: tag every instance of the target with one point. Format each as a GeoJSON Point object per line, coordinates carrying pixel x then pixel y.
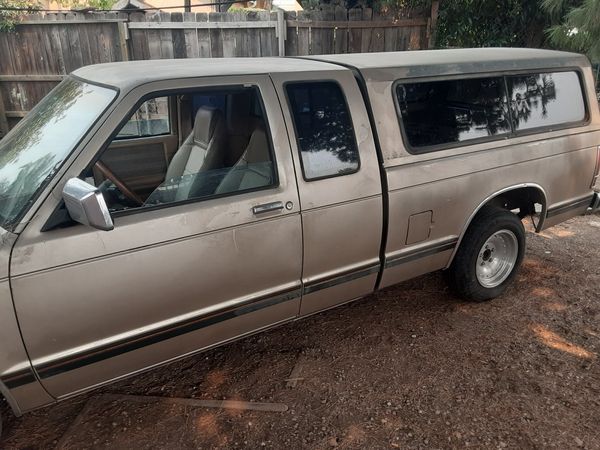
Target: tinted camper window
{"type": "Point", "coordinates": [444, 112]}
{"type": "Point", "coordinates": [545, 99]}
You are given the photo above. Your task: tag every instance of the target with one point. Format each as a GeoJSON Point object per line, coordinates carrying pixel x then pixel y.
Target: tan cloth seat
{"type": "Point", "coordinates": [201, 151]}
{"type": "Point", "coordinates": [254, 169]}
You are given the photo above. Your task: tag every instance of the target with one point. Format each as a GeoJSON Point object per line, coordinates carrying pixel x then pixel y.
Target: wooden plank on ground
{"type": "Point", "coordinates": [295, 375]}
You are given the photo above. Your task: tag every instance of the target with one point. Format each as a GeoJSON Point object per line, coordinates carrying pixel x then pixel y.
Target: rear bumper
{"type": "Point", "coordinates": [595, 205]}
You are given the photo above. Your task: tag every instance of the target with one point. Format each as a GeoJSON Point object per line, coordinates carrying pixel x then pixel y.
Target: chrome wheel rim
{"type": "Point", "coordinates": [497, 258]}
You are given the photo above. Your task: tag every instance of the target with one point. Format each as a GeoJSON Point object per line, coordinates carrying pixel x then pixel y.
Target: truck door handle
{"type": "Point", "coordinates": [267, 207]}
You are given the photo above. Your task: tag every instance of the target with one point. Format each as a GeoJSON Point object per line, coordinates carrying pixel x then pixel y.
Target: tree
{"type": "Point", "coordinates": [491, 23]}
{"type": "Point", "coordinates": [12, 10]}
{"type": "Point", "coordinates": [8, 17]}
{"type": "Point", "coordinates": [578, 28]}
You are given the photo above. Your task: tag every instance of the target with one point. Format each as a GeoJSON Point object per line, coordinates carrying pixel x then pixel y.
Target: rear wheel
{"type": "Point", "coordinates": [489, 256]}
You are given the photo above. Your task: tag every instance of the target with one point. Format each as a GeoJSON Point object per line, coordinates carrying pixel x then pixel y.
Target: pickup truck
{"type": "Point", "coordinates": [154, 209]}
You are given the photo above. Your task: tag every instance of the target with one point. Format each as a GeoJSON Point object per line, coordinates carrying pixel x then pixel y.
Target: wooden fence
{"type": "Point", "coordinates": [43, 49]}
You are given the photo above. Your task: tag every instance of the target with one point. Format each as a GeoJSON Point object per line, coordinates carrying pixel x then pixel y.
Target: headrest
{"type": "Point", "coordinates": [238, 113]}
{"type": "Point", "coordinates": [206, 122]}
{"type": "Point", "coordinates": [257, 150]}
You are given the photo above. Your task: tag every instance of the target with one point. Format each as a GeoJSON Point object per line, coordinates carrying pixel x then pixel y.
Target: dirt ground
{"type": "Point", "coordinates": [408, 367]}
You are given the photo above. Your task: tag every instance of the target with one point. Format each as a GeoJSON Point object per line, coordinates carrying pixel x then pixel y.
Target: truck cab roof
{"type": "Point", "coordinates": [421, 63]}
{"type": "Point", "coordinates": [128, 74]}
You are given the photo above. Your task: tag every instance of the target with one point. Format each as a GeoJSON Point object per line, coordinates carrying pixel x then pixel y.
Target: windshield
{"type": "Point", "coordinates": [35, 149]}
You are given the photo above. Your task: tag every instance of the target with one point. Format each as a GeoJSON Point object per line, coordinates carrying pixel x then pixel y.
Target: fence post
{"type": "Point", "coordinates": [432, 24]}
{"type": "Point", "coordinates": [3, 119]}
{"type": "Point", "coordinates": [123, 38]}
{"type": "Point", "coordinates": [281, 31]}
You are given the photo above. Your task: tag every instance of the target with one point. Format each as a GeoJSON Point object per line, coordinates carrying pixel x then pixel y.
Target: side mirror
{"type": "Point", "coordinates": [86, 205]}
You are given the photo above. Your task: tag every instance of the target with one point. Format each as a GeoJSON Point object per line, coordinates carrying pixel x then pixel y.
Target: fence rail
{"type": "Point", "coordinates": [44, 48]}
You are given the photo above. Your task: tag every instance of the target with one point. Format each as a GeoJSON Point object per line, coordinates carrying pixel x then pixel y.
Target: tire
{"type": "Point", "coordinates": [489, 255]}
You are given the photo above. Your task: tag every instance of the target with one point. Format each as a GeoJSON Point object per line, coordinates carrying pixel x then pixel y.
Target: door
{"type": "Point", "coordinates": [339, 185]}
{"type": "Point", "coordinates": [210, 255]}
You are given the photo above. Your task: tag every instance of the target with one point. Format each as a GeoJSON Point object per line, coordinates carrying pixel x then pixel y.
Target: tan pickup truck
{"type": "Point", "coordinates": [154, 209]}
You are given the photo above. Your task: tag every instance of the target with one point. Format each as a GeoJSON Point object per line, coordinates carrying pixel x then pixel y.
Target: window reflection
{"type": "Point", "coordinates": [323, 129]}
{"type": "Point", "coordinates": [151, 119]}
{"type": "Point", "coordinates": [443, 112]}
{"type": "Point", "coordinates": [35, 149]}
{"type": "Point", "coordinates": [545, 99]}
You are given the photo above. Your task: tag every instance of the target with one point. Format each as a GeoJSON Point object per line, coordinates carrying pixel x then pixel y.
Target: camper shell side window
{"type": "Point", "coordinates": [440, 114]}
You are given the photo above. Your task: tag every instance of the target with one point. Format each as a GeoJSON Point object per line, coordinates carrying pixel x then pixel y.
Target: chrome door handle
{"type": "Point", "coordinates": [267, 207]}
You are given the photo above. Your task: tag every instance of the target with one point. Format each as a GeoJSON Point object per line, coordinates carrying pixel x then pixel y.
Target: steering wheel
{"type": "Point", "coordinates": [121, 185]}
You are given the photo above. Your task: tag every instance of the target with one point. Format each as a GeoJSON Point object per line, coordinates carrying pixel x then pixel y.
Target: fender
{"type": "Point", "coordinates": [538, 227]}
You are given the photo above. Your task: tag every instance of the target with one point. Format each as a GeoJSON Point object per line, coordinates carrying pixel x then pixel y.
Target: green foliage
{"type": "Point", "coordinates": [578, 28]}
{"type": "Point", "coordinates": [490, 23]}
{"type": "Point", "coordinates": [394, 6]}
{"type": "Point", "coordinates": [83, 4]}
{"type": "Point", "coordinates": [9, 18]}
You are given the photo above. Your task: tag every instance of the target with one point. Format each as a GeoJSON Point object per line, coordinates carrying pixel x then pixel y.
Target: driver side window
{"type": "Point", "coordinates": [187, 147]}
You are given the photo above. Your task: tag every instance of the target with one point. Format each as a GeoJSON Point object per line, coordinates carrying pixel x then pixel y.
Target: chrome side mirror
{"type": "Point", "coordinates": [86, 205]}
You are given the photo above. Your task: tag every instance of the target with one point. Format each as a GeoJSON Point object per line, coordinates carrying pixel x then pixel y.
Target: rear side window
{"type": "Point", "coordinates": [545, 99]}
{"type": "Point", "coordinates": [450, 111]}
{"type": "Point", "coordinates": [323, 129]}
{"type": "Point", "coordinates": [437, 114]}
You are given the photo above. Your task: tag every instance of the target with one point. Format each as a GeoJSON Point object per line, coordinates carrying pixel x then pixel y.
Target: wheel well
{"type": "Point", "coordinates": [524, 201]}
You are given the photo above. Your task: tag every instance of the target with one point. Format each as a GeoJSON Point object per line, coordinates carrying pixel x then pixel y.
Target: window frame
{"type": "Point", "coordinates": [500, 137]}
{"type": "Point", "coordinates": [296, 138]}
{"type": "Point", "coordinates": [182, 91]}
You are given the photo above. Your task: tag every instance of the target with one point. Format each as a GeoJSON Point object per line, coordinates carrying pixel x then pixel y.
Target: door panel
{"type": "Point", "coordinates": [115, 300]}
{"type": "Point", "coordinates": [342, 216]}
{"type": "Point", "coordinates": [94, 306]}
